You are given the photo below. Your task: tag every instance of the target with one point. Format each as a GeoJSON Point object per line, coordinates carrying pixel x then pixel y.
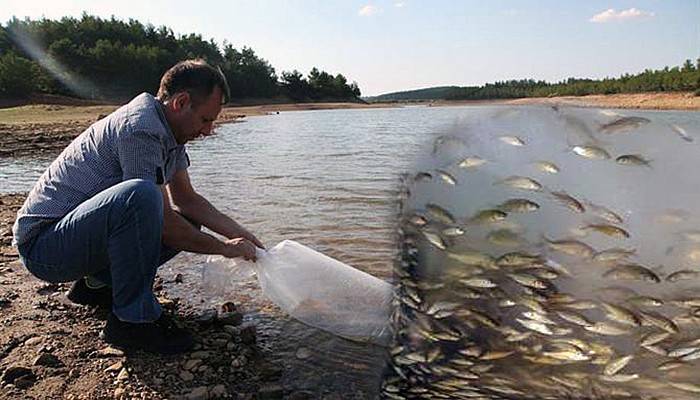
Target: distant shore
{"type": "Point", "coordinates": [47, 128]}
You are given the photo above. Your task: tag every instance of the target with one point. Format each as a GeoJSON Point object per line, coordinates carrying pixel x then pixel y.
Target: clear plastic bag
{"type": "Point", "coordinates": [318, 290]}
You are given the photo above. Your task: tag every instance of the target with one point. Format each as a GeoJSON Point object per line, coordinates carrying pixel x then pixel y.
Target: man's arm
{"type": "Point", "coordinates": [180, 234]}
{"type": "Point", "coordinates": [200, 210]}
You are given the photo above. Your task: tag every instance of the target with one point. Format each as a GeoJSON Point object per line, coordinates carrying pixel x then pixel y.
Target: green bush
{"type": "Point", "coordinates": [18, 76]}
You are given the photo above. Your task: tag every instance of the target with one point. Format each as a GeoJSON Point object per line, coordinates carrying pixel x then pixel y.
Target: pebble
{"type": "Point", "coordinates": [117, 366]}
{"type": "Point", "coordinates": [303, 353]}
{"type": "Point", "coordinates": [202, 355]}
{"type": "Point", "coordinates": [192, 364]}
{"type": "Point", "coordinates": [271, 392]}
{"type": "Point", "coordinates": [228, 307]}
{"type": "Point", "coordinates": [123, 375]}
{"type": "Point", "coordinates": [25, 381]}
{"type": "Point", "coordinates": [206, 318]}
{"type": "Point", "coordinates": [219, 342]}
{"type": "Point", "coordinates": [47, 360]}
{"type": "Point", "coordinates": [198, 393]}
{"type": "Point", "coordinates": [119, 393]}
{"type": "Point", "coordinates": [239, 362]}
{"type": "Point", "coordinates": [218, 391]}
{"type": "Point", "coordinates": [110, 352]}
{"type": "Point", "coordinates": [186, 376]}
{"type": "Point", "coordinates": [33, 341]}
{"type": "Point", "coordinates": [248, 334]}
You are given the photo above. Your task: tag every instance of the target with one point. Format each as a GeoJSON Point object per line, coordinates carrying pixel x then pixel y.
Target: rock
{"type": "Point", "coordinates": [303, 353]}
{"type": "Point", "coordinates": [230, 318]}
{"type": "Point", "coordinates": [33, 341]}
{"type": "Point", "coordinates": [123, 375]}
{"type": "Point", "coordinates": [119, 393]}
{"type": "Point", "coordinates": [217, 392]}
{"type": "Point", "coordinates": [228, 307]}
{"type": "Point", "coordinates": [25, 381]}
{"type": "Point", "coordinates": [15, 371]}
{"type": "Point", "coordinates": [198, 393]}
{"type": "Point", "coordinates": [206, 318]}
{"type": "Point", "coordinates": [248, 334]}
{"type": "Point", "coordinates": [74, 373]}
{"type": "Point", "coordinates": [192, 364]}
{"type": "Point", "coordinates": [270, 392]}
{"type": "Point", "coordinates": [269, 371]}
{"type": "Point", "coordinates": [178, 278]}
{"type": "Point", "coordinates": [219, 342]}
{"type": "Point", "coordinates": [230, 346]}
{"type": "Point", "coordinates": [239, 362]}
{"type": "Point", "coordinates": [48, 360]}
{"type": "Point", "coordinates": [186, 376]}
{"type": "Point", "coordinates": [201, 355]}
{"type": "Point", "coordinates": [117, 366]}
{"type": "Point", "coordinates": [110, 352]}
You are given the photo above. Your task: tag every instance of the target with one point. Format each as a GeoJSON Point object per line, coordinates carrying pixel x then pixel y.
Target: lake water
{"type": "Point", "coordinates": [328, 179]}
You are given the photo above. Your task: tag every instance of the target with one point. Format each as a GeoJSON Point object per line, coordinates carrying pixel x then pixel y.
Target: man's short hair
{"type": "Point", "coordinates": [195, 77]}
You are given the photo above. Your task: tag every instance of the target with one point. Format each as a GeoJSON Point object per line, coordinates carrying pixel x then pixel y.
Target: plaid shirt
{"type": "Point", "coordinates": [135, 141]}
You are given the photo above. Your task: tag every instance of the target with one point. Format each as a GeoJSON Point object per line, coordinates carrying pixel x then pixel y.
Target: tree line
{"type": "Point", "coordinates": [685, 77]}
{"type": "Point", "coordinates": [95, 58]}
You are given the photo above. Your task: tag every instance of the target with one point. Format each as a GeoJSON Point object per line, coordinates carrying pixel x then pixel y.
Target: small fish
{"type": "Point", "coordinates": [617, 365]}
{"type": "Point", "coordinates": [605, 213]}
{"type": "Point", "coordinates": [614, 254]}
{"type": "Point", "coordinates": [528, 281]}
{"type": "Point", "coordinates": [535, 326]}
{"type": "Point", "coordinates": [446, 140]}
{"type": "Point", "coordinates": [682, 133]}
{"type": "Point", "coordinates": [488, 216]}
{"type": "Point", "coordinates": [633, 159]}
{"type": "Point", "coordinates": [453, 231]}
{"type": "Point", "coordinates": [504, 237]}
{"type": "Point", "coordinates": [609, 230]}
{"type": "Point", "coordinates": [670, 365]}
{"type": "Point", "coordinates": [571, 247]}
{"type": "Point", "coordinates": [521, 182]}
{"type": "Point", "coordinates": [624, 124]}
{"type": "Point", "coordinates": [645, 301]}
{"type": "Point", "coordinates": [446, 177]}
{"type": "Point", "coordinates": [632, 272]}
{"type": "Point", "coordinates": [435, 239]}
{"type": "Point", "coordinates": [547, 166]}
{"type": "Point", "coordinates": [654, 319]}
{"type": "Point", "coordinates": [591, 152]}
{"type": "Point", "coordinates": [569, 201]}
{"type": "Point", "coordinates": [440, 213]}
{"type": "Point", "coordinates": [422, 176]}
{"type": "Point", "coordinates": [621, 315]}
{"type": "Point", "coordinates": [478, 282]}
{"type": "Point", "coordinates": [418, 220]}
{"type": "Point", "coordinates": [604, 328]}
{"type": "Point", "coordinates": [619, 378]}
{"type": "Point", "coordinates": [472, 258]}
{"type": "Point", "coordinates": [512, 140]}
{"type": "Point", "coordinates": [519, 206]}
{"type": "Point", "coordinates": [471, 162]}
{"type": "Point", "coordinates": [681, 275]}
{"type": "Point", "coordinates": [685, 386]}
{"type": "Point", "coordinates": [653, 338]}
{"type": "Point", "coordinates": [517, 259]}
{"type": "Point", "coordinates": [574, 318]}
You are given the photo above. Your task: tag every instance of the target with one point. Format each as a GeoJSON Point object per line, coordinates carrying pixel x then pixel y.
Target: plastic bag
{"type": "Point", "coordinates": [319, 290]}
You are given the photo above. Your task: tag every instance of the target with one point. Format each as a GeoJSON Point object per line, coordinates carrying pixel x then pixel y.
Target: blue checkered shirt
{"type": "Point", "coordinates": [135, 141]}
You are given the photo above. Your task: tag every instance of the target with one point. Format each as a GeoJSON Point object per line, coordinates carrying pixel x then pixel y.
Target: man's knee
{"type": "Point", "coordinates": [143, 193]}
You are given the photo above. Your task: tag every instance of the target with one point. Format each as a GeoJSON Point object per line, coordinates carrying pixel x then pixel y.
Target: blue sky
{"type": "Point", "coordinates": [391, 45]}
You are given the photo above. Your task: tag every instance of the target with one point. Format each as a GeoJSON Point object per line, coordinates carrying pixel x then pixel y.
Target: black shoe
{"type": "Point", "coordinates": [80, 293]}
{"type": "Point", "coordinates": [161, 336]}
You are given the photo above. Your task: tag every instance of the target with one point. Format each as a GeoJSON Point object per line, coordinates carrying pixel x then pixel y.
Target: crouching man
{"type": "Point", "coordinates": [117, 203]}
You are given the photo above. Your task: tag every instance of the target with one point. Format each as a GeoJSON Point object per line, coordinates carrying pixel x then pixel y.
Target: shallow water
{"type": "Point", "coordinates": [328, 179]}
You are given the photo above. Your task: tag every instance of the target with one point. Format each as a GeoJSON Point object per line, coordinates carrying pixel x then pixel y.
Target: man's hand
{"type": "Point", "coordinates": [247, 235]}
{"type": "Point", "coordinates": [239, 247]}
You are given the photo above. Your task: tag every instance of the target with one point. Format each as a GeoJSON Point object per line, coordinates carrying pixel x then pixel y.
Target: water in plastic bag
{"type": "Point", "coordinates": [316, 289]}
{"type": "Point", "coordinates": [551, 253]}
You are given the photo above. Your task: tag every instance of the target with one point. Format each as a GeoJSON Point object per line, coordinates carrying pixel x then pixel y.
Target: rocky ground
{"type": "Point", "coordinates": [50, 349]}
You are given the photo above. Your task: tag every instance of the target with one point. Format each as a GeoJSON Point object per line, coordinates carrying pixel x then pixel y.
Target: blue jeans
{"type": "Point", "coordinates": [115, 238]}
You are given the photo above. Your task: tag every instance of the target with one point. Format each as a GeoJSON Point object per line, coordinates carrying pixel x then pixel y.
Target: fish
{"type": "Point", "coordinates": [488, 216]}
{"type": "Point", "coordinates": [591, 152]}
{"type": "Point", "coordinates": [521, 182]}
{"type": "Point", "coordinates": [605, 213]}
{"type": "Point", "coordinates": [624, 124]}
{"type": "Point", "coordinates": [472, 258]}
{"type": "Point", "coordinates": [478, 282]}
{"type": "Point", "coordinates": [504, 237]}
{"type": "Point", "coordinates": [512, 140]}
{"type": "Point", "coordinates": [571, 247]}
{"type": "Point", "coordinates": [621, 315]}
{"type": "Point", "coordinates": [446, 177]}
{"type": "Point", "coordinates": [471, 162]}
{"type": "Point", "coordinates": [518, 259]}
{"type": "Point", "coordinates": [685, 386]}
{"type": "Point", "coordinates": [547, 166]}
{"type": "Point", "coordinates": [617, 365]}
{"type": "Point", "coordinates": [519, 205]}
{"type": "Point", "coordinates": [632, 272]}
{"type": "Point", "coordinates": [613, 254]}
{"type": "Point", "coordinates": [435, 239]}
{"type": "Point", "coordinates": [609, 230]}
{"type": "Point", "coordinates": [633, 159]}
{"type": "Point", "coordinates": [604, 328]}
{"type": "Point", "coordinates": [535, 326]}
{"type": "Point", "coordinates": [681, 275]}
{"type": "Point", "coordinates": [682, 133]}
{"type": "Point", "coordinates": [440, 214]}
{"type": "Point", "coordinates": [569, 201]}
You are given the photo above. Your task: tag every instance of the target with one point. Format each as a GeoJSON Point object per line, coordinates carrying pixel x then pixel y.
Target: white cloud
{"type": "Point", "coordinates": [399, 4]}
{"type": "Point", "coordinates": [368, 10]}
{"type": "Point", "coordinates": [610, 15]}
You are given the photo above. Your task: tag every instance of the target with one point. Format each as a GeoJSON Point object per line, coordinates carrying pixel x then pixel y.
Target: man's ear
{"type": "Point", "coordinates": [181, 101]}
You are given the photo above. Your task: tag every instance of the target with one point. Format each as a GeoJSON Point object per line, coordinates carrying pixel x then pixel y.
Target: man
{"type": "Point", "coordinates": [118, 202]}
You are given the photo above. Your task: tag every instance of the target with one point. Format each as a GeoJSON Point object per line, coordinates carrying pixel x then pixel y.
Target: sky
{"type": "Point", "coordinates": [394, 45]}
